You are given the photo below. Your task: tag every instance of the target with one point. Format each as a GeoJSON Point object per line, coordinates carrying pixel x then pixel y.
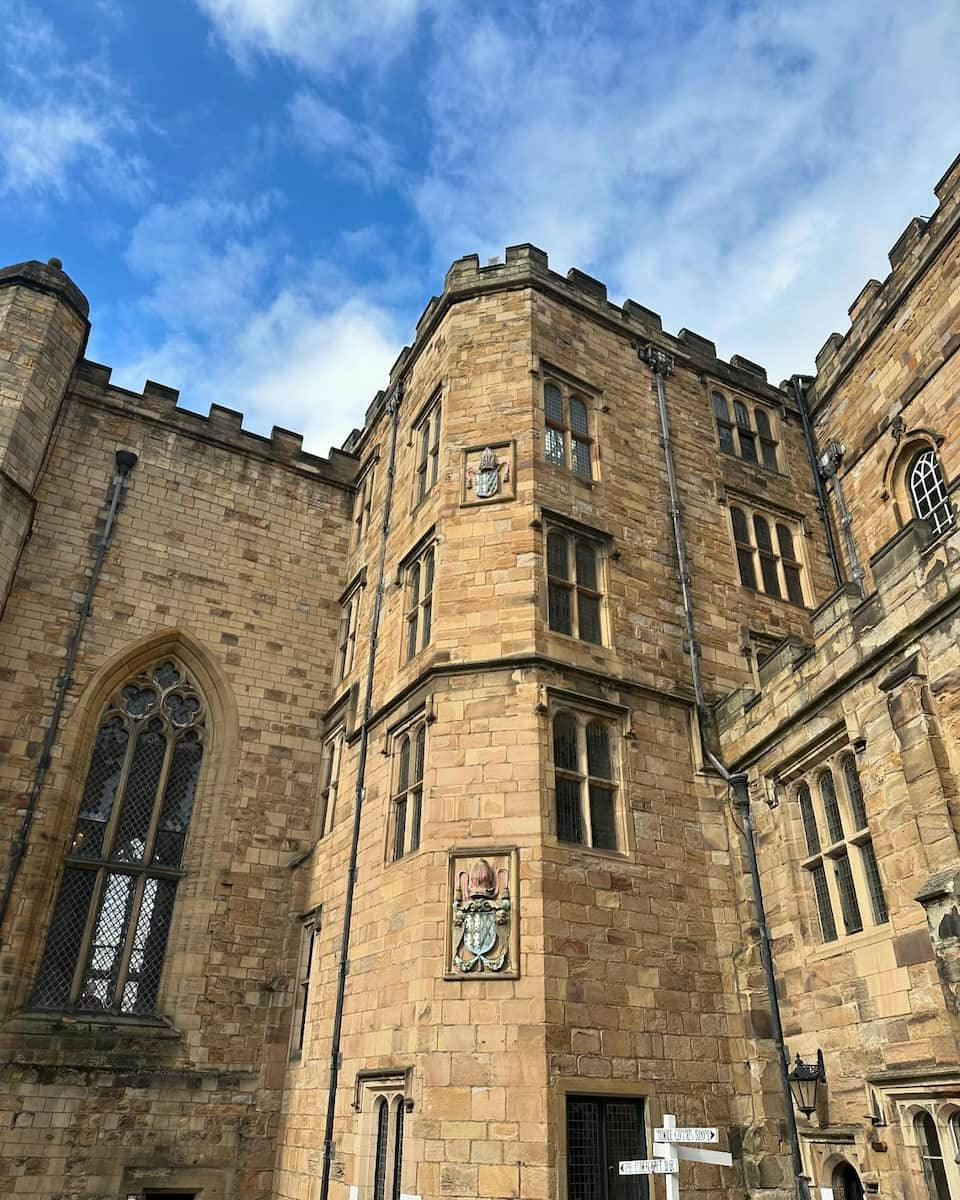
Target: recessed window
{"type": "Point", "coordinates": [347, 633]}
{"type": "Point", "coordinates": [585, 780]}
{"type": "Point", "coordinates": [928, 491]}
{"type": "Point", "coordinates": [574, 594]}
{"type": "Point", "coordinates": [363, 504]}
{"type": "Point", "coordinates": [749, 434]}
{"type": "Point", "coordinates": [329, 782]}
{"type": "Point", "coordinates": [426, 436]}
{"type": "Point", "coordinates": [419, 618]}
{"type": "Point", "coordinates": [309, 927]}
{"type": "Point", "coordinates": [108, 936]}
{"type": "Point", "coordinates": [841, 862]}
{"type": "Point", "coordinates": [931, 1155]}
{"type": "Point", "coordinates": [384, 1102]}
{"type": "Point", "coordinates": [568, 441]}
{"type": "Point", "coordinates": [407, 807]}
{"type": "Point", "coordinates": [767, 554]}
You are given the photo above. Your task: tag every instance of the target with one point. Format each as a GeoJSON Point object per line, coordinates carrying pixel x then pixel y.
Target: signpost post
{"type": "Point", "coordinates": [671, 1146]}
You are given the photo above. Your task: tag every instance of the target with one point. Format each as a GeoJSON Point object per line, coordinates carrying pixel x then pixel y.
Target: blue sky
{"type": "Point", "coordinates": [260, 196]}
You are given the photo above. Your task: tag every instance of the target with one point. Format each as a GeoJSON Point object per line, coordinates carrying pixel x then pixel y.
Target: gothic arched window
{"type": "Point", "coordinates": [928, 491]}
{"type": "Point", "coordinates": [107, 939]}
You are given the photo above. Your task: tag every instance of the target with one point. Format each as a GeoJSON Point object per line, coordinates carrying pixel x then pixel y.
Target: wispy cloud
{"type": "Point", "coordinates": [245, 323]}
{"type": "Point", "coordinates": [345, 146]}
{"type": "Point", "coordinates": [319, 35]}
{"type": "Point", "coordinates": [65, 128]}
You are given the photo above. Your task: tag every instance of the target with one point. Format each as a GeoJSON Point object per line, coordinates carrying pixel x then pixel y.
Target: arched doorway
{"type": "Point", "coordinates": [846, 1183]}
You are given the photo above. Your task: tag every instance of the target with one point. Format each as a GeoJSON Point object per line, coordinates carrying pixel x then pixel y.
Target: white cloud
{"type": "Point", "coordinates": [321, 35]}
{"type": "Point", "coordinates": [349, 148]}
{"type": "Point", "coordinates": [743, 170]}
{"type": "Point", "coordinates": [64, 125]}
{"type": "Point", "coordinates": [249, 326]}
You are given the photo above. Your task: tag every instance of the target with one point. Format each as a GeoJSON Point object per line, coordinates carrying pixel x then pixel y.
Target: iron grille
{"type": "Point", "coordinates": [600, 1135]}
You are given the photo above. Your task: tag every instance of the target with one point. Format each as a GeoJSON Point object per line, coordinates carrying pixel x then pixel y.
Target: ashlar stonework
{"type": "Point", "coordinates": [446, 896]}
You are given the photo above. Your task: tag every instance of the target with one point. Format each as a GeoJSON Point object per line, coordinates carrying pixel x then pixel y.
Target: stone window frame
{"type": "Point", "coordinates": [910, 447]}
{"type": "Point", "coordinates": [382, 1100]}
{"type": "Point", "coordinates": [346, 647]}
{"type": "Point", "coordinates": [363, 501]}
{"type": "Point", "coordinates": [309, 930]}
{"type": "Point", "coordinates": [928, 491]}
{"type": "Point", "coordinates": [752, 424]}
{"type": "Point", "coordinates": [765, 566]}
{"type": "Point", "coordinates": [577, 590]}
{"type": "Point", "coordinates": [331, 767]}
{"type": "Point", "coordinates": [426, 431]}
{"type": "Point", "coordinates": [570, 423]}
{"type": "Point", "coordinates": [827, 803]}
{"type": "Point", "coordinates": [944, 1112]}
{"type": "Point", "coordinates": [585, 713]}
{"type": "Point", "coordinates": [407, 787]}
{"type": "Point", "coordinates": [123, 711]}
{"type": "Point", "coordinates": [416, 575]}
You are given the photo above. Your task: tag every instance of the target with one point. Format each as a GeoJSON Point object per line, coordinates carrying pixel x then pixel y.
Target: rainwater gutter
{"type": "Point", "coordinates": [393, 408]}
{"type": "Point", "coordinates": [800, 395]}
{"type": "Point", "coordinates": [126, 460]}
{"type": "Point", "coordinates": [660, 363]}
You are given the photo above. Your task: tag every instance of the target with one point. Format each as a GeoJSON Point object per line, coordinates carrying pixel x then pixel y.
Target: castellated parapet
{"type": "Point", "coordinates": [440, 682]}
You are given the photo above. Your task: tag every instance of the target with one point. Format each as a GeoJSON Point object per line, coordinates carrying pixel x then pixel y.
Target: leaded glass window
{"type": "Point", "coordinates": [420, 573]}
{"type": "Point", "coordinates": [928, 491]}
{"type": "Point", "coordinates": [751, 425]}
{"type": "Point", "coordinates": [574, 596]}
{"type": "Point", "coordinates": [107, 939]}
{"type": "Point", "coordinates": [776, 565]}
{"type": "Point", "coordinates": [585, 781]}
{"type": "Point", "coordinates": [408, 791]}
{"type": "Point", "coordinates": [568, 441]}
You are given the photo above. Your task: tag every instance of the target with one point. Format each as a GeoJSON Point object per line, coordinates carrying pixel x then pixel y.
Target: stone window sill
{"type": "Point", "coordinates": [78, 1023]}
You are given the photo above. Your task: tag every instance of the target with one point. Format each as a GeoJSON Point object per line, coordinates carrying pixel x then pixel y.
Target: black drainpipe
{"type": "Point", "coordinates": [661, 365]}
{"type": "Point", "coordinates": [822, 504]}
{"type": "Point", "coordinates": [393, 408]}
{"type": "Point", "coordinates": [126, 460]}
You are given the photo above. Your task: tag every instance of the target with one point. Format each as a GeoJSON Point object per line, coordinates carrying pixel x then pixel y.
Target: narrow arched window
{"type": "Point", "coordinates": [748, 439]}
{"type": "Point", "coordinates": [931, 1153]}
{"type": "Point", "coordinates": [380, 1160]}
{"type": "Point", "coordinates": [809, 819]}
{"type": "Point", "coordinates": [741, 538]}
{"type": "Point", "coordinates": [396, 1191]}
{"type": "Point", "coordinates": [768, 446]}
{"type": "Point", "coordinates": [721, 412]}
{"type": "Point", "coordinates": [768, 559]}
{"type": "Point", "coordinates": [928, 491]}
{"type": "Point", "coordinates": [108, 936]}
{"type": "Point", "coordinates": [851, 780]}
{"type": "Point", "coordinates": [828, 794]}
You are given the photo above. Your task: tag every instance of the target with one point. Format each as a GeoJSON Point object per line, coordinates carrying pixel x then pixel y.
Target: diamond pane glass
{"type": "Point", "coordinates": [397, 1150]}
{"type": "Point", "coordinates": [420, 755]}
{"type": "Point", "coordinates": [719, 401]}
{"type": "Point", "coordinates": [182, 710]}
{"type": "Point", "coordinates": [149, 946]}
{"type": "Point", "coordinates": [137, 700]}
{"type": "Point", "coordinates": [762, 530]}
{"type": "Point", "coordinates": [426, 621]}
{"type": "Point", "coordinates": [178, 801]}
{"type": "Point", "coordinates": [403, 775]}
{"type": "Point", "coordinates": [748, 574]}
{"type": "Point", "coordinates": [130, 841]}
{"type": "Point", "coordinates": [100, 789]}
{"type": "Point", "coordinates": [380, 1162]}
{"type": "Point", "coordinates": [741, 531]}
{"type": "Point", "coordinates": [416, 807]}
{"type": "Point", "coordinates": [55, 979]}
{"type": "Point", "coordinates": [794, 587]}
{"type": "Point", "coordinates": [400, 827]}
{"type": "Point", "coordinates": [428, 566]}
{"type": "Point", "coordinates": [106, 949]}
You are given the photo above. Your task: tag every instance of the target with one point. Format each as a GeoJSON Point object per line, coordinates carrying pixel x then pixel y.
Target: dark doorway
{"type": "Point", "coordinates": [600, 1134]}
{"type": "Point", "coordinates": [846, 1183]}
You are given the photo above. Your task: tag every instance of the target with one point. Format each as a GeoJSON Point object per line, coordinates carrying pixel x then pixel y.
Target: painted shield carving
{"type": "Point", "coordinates": [481, 918]}
{"type": "Point", "coordinates": [486, 477]}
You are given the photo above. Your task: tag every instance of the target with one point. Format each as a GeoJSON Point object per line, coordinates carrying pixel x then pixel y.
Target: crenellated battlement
{"type": "Point", "coordinates": [222, 425]}
{"type": "Point", "coordinates": [911, 254]}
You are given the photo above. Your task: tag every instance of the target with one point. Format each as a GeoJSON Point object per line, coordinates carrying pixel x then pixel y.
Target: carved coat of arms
{"type": "Point", "coordinates": [486, 477]}
{"type": "Point", "coordinates": [481, 918]}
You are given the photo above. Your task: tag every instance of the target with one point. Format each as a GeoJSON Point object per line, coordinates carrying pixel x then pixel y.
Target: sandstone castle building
{"type": "Point", "coordinates": [380, 825]}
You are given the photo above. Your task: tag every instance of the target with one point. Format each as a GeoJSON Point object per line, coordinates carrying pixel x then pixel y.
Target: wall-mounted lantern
{"type": "Point", "coordinates": [805, 1080]}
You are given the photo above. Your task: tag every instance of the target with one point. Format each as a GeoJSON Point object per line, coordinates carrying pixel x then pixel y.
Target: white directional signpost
{"type": "Point", "coordinates": [671, 1145]}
